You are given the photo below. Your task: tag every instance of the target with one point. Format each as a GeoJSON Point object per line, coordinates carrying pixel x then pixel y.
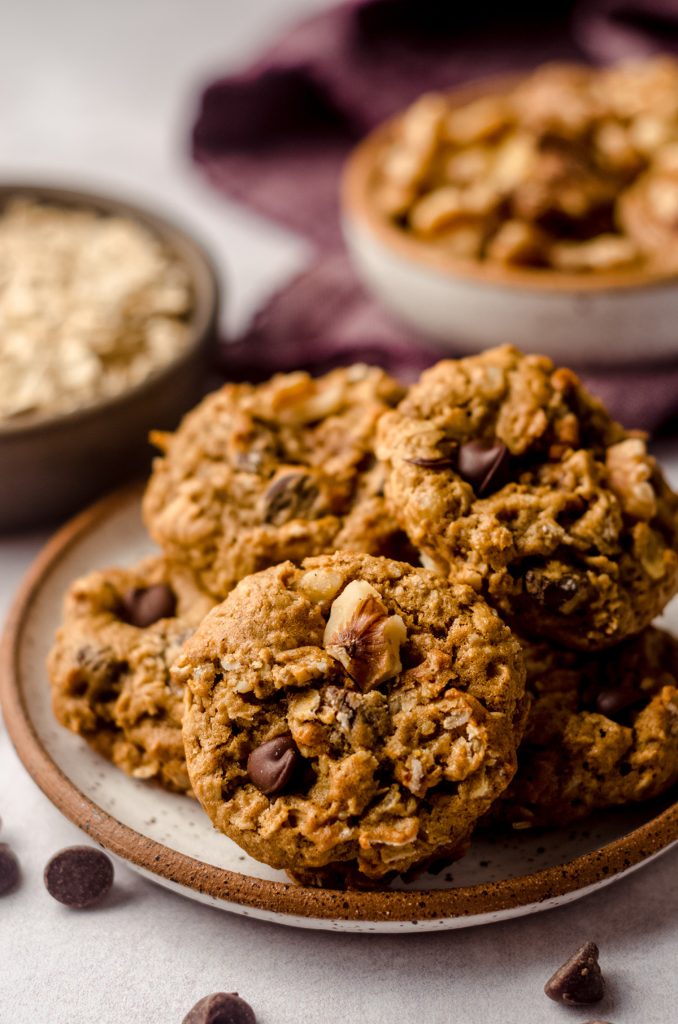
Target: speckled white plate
{"type": "Point", "coordinates": [170, 840]}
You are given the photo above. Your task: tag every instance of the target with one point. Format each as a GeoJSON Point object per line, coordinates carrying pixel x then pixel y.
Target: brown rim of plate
{"type": "Point", "coordinates": [202, 319]}
{"type": "Point", "coordinates": [600, 865]}
{"type": "Point", "coordinates": [358, 207]}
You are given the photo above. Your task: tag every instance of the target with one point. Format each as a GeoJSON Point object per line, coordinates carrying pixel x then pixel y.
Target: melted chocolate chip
{"type": "Point", "coordinates": [612, 701]}
{"type": "Point", "coordinates": [579, 980]}
{"type": "Point", "coordinates": [272, 766]}
{"type": "Point", "coordinates": [434, 462]}
{"type": "Point", "coordinates": [483, 466]}
{"type": "Point", "coordinates": [79, 876]}
{"type": "Point", "coordinates": [9, 869]}
{"type": "Point", "coordinates": [553, 593]}
{"type": "Point", "coordinates": [558, 592]}
{"type": "Point", "coordinates": [221, 1008]}
{"type": "Point", "coordinates": [289, 496]}
{"type": "Point", "coordinates": [142, 606]}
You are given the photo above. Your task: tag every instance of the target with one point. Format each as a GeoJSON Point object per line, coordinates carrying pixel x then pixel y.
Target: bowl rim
{"type": "Point", "coordinates": [598, 866]}
{"type": "Point", "coordinates": [359, 210]}
{"type": "Point", "coordinates": [202, 320]}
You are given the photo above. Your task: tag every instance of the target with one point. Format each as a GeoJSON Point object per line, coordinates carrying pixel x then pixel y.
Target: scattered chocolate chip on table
{"type": "Point", "coordinates": [9, 869]}
{"type": "Point", "coordinates": [579, 980]}
{"type": "Point", "coordinates": [221, 1008]}
{"type": "Point", "coordinates": [79, 876]}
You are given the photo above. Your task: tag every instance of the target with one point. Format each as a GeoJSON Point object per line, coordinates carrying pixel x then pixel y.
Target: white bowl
{"type": "Point", "coordinates": [622, 316]}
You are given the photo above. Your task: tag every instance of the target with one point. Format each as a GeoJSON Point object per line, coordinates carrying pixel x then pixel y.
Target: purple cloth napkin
{"type": "Point", "coordinates": [276, 135]}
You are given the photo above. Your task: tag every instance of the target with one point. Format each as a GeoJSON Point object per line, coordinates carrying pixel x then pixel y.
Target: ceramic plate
{"type": "Point", "coordinates": [170, 840]}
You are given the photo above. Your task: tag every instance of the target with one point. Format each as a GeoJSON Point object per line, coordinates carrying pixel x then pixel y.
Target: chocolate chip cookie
{"type": "Point", "coordinates": [602, 730]}
{"type": "Point", "coordinates": [355, 712]}
{"type": "Point", "coordinates": [109, 666]}
{"type": "Point", "coordinates": [256, 475]}
{"type": "Point", "coordinates": [508, 475]}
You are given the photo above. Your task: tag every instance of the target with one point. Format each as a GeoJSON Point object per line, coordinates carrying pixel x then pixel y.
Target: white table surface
{"type": "Point", "coordinates": [102, 95]}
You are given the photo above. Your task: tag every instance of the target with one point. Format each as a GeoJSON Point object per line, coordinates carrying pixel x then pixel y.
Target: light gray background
{"type": "Point", "coordinates": [102, 94]}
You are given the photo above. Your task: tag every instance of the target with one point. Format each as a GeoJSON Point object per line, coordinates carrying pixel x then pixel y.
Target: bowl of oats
{"type": "Point", "coordinates": [108, 314]}
{"type": "Point", "coordinates": [539, 210]}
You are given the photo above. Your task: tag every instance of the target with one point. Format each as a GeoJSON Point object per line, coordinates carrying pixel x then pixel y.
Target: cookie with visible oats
{"type": "Point", "coordinates": [282, 470]}
{"type": "Point", "coordinates": [509, 476]}
{"type": "Point", "coordinates": [109, 666]}
{"type": "Point", "coordinates": [602, 730]}
{"type": "Point", "coordinates": [351, 717]}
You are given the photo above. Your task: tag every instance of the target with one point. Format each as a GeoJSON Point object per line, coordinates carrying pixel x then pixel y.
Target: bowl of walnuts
{"type": "Point", "coordinates": [537, 209]}
{"type": "Point", "coordinates": [107, 317]}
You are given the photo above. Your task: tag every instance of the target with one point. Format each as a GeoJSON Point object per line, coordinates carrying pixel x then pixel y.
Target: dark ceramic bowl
{"type": "Point", "coordinates": [52, 465]}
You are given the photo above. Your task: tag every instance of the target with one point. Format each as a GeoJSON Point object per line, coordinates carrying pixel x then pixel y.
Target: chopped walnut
{"type": "Point", "coordinates": [449, 204]}
{"type": "Point", "coordinates": [606, 252]}
{"type": "Point", "coordinates": [477, 121]}
{"type": "Point", "coordinates": [363, 637]}
{"type": "Point", "coordinates": [630, 473]}
{"type": "Point", "coordinates": [320, 585]}
{"type": "Point", "coordinates": [518, 242]}
{"type": "Point", "coordinates": [564, 150]}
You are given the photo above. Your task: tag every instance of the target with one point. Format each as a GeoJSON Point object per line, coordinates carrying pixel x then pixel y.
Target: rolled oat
{"type": "Point", "coordinates": [90, 305]}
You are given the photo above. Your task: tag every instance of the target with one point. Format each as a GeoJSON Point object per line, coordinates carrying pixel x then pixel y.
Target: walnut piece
{"type": "Point", "coordinates": [363, 637]}
{"type": "Point", "coordinates": [573, 169]}
{"type": "Point", "coordinates": [630, 471]}
{"type": "Point", "coordinates": [320, 585]}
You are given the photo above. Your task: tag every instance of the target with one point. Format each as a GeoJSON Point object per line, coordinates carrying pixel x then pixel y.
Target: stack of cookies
{"type": "Point", "coordinates": [380, 617]}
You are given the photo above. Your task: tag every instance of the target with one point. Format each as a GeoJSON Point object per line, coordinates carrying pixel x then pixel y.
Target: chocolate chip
{"type": "Point", "coordinates": [559, 592]}
{"type": "Point", "coordinates": [272, 765]}
{"type": "Point", "coordinates": [79, 876]}
{"type": "Point", "coordinates": [553, 593]}
{"type": "Point", "coordinates": [579, 980]}
{"type": "Point", "coordinates": [434, 462]}
{"type": "Point", "coordinates": [142, 606]}
{"type": "Point", "coordinates": [289, 496]}
{"type": "Point", "coordinates": [9, 869]}
{"type": "Point", "coordinates": [221, 1008]}
{"type": "Point", "coordinates": [483, 466]}
{"type": "Point", "coordinates": [611, 701]}
{"type": "Point", "coordinates": [443, 456]}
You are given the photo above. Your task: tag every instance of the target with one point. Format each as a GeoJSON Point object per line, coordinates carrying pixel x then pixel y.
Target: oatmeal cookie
{"type": "Point", "coordinates": [260, 474]}
{"type": "Point", "coordinates": [602, 730]}
{"type": "Point", "coordinates": [356, 714]}
{"type": "Point", "coordinates": [109, 666]}
{"type": "Point", "coordinates": [510, 477]}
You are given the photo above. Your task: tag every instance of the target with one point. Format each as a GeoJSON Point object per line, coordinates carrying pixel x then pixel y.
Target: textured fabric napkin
{"type": "Point", "coordinates": [275, 136]}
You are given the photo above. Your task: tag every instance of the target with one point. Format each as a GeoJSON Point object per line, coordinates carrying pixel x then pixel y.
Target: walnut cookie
{"type": "Point", "coordinates": [507, 474]}
{"type": "Point", "coordinates": [109, 666]}
{"type": "Point", "coordinates": [602, 730]}
{"type": "Point", "coordinates": [356, 713]}
{"type": "Point", "coordinates": [259, 474]}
